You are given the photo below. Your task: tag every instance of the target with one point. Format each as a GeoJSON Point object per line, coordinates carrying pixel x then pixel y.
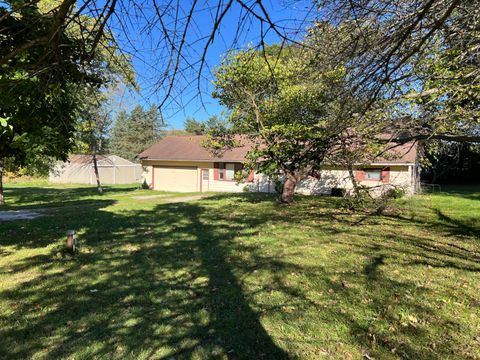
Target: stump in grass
{"type": "Point", "coordinates": [71, 241]}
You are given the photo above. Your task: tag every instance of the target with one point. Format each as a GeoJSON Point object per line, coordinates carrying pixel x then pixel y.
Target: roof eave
{"type": "Point", "coordinates": [199, 160]}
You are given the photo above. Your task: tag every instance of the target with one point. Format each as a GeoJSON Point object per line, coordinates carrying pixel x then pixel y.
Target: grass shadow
{"type": "Point", "coordinates": [230, 276]}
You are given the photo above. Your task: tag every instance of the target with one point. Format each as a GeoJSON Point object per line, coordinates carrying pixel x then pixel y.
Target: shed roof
{"type": "Point", "coordinates": [104, 160]}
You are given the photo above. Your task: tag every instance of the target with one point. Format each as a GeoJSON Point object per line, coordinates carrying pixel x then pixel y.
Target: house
{"type": "Point", "coordinates": [112, 169]}
{"type": "Point", "coordinates": [181, 163]}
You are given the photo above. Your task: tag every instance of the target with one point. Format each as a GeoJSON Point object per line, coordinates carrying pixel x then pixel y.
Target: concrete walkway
{"type": "Point", "coordinates": [10, 215]}
{"type": "Point", "coordinates": [180, 199]}
{"type": "Point", "coordinates": [171, 199]}
{"type": "Point", "coordinates": [150, 197]}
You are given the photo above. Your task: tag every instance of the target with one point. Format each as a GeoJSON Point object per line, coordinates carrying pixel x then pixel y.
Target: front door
{"type": "Point", "coordinates": [205, 180]}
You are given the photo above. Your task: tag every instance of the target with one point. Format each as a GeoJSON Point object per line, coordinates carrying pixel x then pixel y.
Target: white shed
{"type": "Point", "coordinates": [112, 169]}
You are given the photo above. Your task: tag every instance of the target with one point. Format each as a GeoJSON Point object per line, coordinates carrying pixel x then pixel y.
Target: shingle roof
{"type": "Point", "coordinates": [400, 154]}
{"type": "Point", "coordinates": [190, 148]}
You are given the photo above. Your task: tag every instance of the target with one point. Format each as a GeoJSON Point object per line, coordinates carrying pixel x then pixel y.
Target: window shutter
{"type": "Point", "coordinates": [386, 175]}
{"type": "Point", "coordinates": [359, 175]}
{"type": "Point", "coordinates": [251, 176]}
{"type": "Point", "coordinates": [215, 171]}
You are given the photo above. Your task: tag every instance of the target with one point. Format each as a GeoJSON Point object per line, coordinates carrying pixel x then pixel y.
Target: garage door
{"type": "Point", "coordinates": [175, 178]}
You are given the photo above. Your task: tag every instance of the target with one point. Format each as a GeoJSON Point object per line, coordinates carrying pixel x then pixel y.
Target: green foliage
{"type": "Point", "coordinates": [145, 185]}
{"type": "Point", "coordinates": [213, 126]}
{"type": "Point", "coordinates": [192, 126]}
{"type": "Point", "coordinates": [370, 200]}
{"type": "Point", "coordinates": [360, 200]}
{"type": "Point", "coordinates": [95, 120]}
{"type": "Point", "coordinates": [135, 131]}
{"type": "Point", "coordinates": [46, 70]}
{"type": "Point", "coordinates": [395, 193]}
{"type": "Point", "coordinates": [38, 99]}
{"type": "Point", "coordinates": [282, 103]}
{"type": "Point", "coordinates": [449, 98]}
{"type": "Point", "coordinates": [446, 162]}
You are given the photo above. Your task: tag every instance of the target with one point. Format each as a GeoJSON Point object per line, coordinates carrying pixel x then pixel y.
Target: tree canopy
{"type": "Point", "coordinates": [135, 131]}
{"type": "Point", "coordinates": [193, 126]}
{"type": "Point", "coordinates": [47, 65]}
{"type": "Point", "coordinates": [286, 105]}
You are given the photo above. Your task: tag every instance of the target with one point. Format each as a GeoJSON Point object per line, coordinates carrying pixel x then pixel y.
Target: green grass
{"type": "Point", "coordinates": [236, 276]}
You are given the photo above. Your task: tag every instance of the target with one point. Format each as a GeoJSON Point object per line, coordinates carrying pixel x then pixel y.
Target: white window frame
{"type": "Point", "coordinates": [378, 173]}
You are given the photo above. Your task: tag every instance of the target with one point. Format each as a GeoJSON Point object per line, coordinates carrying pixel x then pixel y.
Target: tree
{"type": "Point", "coordinates": [213, 123]}
{"type": "Point", "coordinates": [132, 133]}
{"type": "Point", "coordinates": [193, 126]}
{"type": "Point", "coordinates": [451, 162]}
{"type": "Point", "coordinates": [37, 87]}
{"type": "Point", "coordinates": [411, 52]}
{"type": "Point", "coordinates": [93, 129]}
{"type": "Point", "coordinates": [287, 105]}
{"type": "Point", "coordinates": [46, 62]}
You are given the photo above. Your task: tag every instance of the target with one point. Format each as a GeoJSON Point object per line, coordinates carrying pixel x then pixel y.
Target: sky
{"type": "Point", "coordinates": [138, 32]}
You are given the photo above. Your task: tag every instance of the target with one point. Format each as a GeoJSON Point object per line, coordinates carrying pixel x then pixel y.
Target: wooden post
{"type": "Point", "coordinates": [71, 241]}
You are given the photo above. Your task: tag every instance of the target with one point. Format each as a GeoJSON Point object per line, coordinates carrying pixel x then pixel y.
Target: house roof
{"type": "Point", "coordinates": [190, 148]}
{"type": "Point", "coordinates": [184, 148]}
{"type": "Point", "coordinates": [399, 154]}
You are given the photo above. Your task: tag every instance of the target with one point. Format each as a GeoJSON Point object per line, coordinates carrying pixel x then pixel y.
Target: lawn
{"type": "Point", "coordinates": [236, 276]}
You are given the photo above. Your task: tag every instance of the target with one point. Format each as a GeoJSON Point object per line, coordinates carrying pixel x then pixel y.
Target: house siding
{"type": "Point", "coordinates": [334, 177]}
{"type": "Point", "coordinates": [330, 177]}
{"type": "Point", "coordinates": [213, 185]}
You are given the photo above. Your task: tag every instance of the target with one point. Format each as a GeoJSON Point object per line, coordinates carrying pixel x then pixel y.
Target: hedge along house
{"type": "Point", "coordinates": [112, 169]}
{"type": "Point", "coordinates": [181, 163]}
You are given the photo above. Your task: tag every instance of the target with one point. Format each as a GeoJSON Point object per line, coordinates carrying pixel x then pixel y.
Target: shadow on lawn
{"type": "Point", "coordinates": [167, 283]}
{"type": "Point", "coordinates": [152, 281]}
{"type": "Point", "coordinates": [51, 197]}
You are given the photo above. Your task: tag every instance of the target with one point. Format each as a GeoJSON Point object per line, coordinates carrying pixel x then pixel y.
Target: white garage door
{"type": "Point", "coordinates": [175, 178]}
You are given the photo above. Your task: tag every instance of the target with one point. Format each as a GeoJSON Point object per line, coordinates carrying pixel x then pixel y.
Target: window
{"type": "Point", "coordinates": [226, 171]}
{"type": "Point", "coordinates": [229, 171]}
{"type": "Point", "coordinates": [373, 174]}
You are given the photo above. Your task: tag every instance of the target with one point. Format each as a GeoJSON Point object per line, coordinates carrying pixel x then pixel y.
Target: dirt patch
{"type": "Point", "coordinates": [11, 215]}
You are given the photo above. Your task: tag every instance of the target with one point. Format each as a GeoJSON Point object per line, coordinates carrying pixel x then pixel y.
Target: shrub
{"type": "Point", "coordinates": [279, 186]}
{"type": "Point", "coordinates": [360, 201]}
{"type": "Point", "coordinates": [395, 193]}
{"type": "Point", "coordinates": [338, 192]}
{"type": "Point", "coordinates": [365, 201]}
{"type": "Point", "coordinates": [145, 185]}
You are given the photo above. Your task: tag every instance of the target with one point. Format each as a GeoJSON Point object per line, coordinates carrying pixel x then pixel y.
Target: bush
{"type": "Point", "coordinates": [279, 186]}
{"type": "Point", "coordinates": [338, 192]}
{"type": "Point", "coordinates": [358, 202]}
{"type": "Point", "coordinates": [395, 193]}
{"type": "Point", "coordinates": [145, 186]}
{"type": "Point", "coordinates": [364, 201]}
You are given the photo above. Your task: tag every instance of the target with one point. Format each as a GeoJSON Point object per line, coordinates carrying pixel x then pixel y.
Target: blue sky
{"type": "Point", "coordinates": [149, 55]}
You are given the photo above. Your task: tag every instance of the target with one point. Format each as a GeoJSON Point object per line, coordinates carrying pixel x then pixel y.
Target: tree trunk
{"type": "Point", "coordinates": [351, 174]}
{"type": "Point", "coordinates": [97, 176]}
{"type": "Point", "coordinates": [2, 197]}
{"type": "Point", "coordinates": [289, 189]}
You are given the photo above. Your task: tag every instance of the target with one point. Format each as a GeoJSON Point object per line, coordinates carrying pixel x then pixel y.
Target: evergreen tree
{"type": "Point", "coordinates": [193, 126]}
{"type": "Point", "coordinates": [132, 133]}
